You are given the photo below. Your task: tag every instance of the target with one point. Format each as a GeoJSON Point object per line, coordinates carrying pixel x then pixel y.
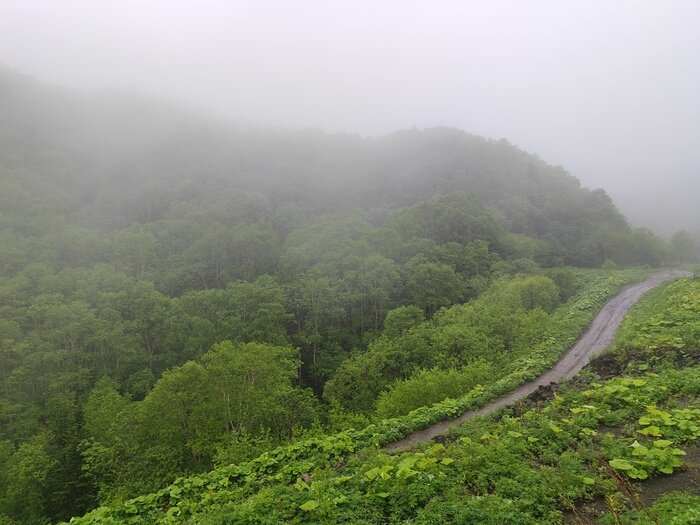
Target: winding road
{"type": "Point", "coordinates": [596, 338]}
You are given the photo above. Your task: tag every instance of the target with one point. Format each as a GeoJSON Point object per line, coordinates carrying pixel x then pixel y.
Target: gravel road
{"type": "Point", "coordinates": [596, 338]}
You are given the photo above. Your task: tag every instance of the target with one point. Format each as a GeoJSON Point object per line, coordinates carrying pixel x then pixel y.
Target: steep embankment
{"type": "Point", "coordinates": [597, 337]}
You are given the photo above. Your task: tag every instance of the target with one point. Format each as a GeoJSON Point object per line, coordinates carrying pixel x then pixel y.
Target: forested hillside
{"type": "Point", "coordinates": [179, 293]}
{"type": "Point", "coordinates": [579, 455]}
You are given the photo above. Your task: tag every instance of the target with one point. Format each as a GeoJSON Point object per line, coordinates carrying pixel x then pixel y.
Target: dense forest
{"type": "Point", "coordinates": [178, 293]}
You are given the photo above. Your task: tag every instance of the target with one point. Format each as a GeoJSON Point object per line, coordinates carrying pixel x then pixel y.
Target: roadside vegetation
{"type": "Point", "coordinates": [534, 463]}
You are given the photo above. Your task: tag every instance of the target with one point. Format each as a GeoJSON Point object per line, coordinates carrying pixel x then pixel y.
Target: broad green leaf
{"type": "Point", "coordinates": [621, 464]}
{"type": "Point", "coordinates": [650, 431]}
{"type": "Point", "coordinates": [309, 505]}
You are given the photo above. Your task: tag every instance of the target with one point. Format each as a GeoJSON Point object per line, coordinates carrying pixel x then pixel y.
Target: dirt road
{"type": "Point", "coordinates": [596, 338]}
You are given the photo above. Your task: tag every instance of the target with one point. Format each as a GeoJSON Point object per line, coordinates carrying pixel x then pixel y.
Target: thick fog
{"type": "Point", "coordinates": [609, 90]}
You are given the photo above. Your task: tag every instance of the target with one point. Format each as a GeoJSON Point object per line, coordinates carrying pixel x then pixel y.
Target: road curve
{"type": "Point", "coordinates": [597, 337]}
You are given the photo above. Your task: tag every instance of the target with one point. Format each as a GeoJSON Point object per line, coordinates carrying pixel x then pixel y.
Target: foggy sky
{"type": "Point", "coordinates": [609, 90]}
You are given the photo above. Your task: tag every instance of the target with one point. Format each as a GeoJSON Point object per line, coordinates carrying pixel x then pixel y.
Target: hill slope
{"type": "Point", "coordinates": [533, 464]}
{"type": "Point", "coordinates": [178, 293]}
{"type": "Point", "coordinates": [135, 160]}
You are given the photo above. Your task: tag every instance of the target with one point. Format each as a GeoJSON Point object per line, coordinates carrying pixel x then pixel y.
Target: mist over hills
{"type": "Point", "coordinates": [120, 159]}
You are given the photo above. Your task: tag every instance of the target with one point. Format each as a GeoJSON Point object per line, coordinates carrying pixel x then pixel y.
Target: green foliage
{"type": "Point", "coordinates": [673, 508]}
{"type": "Point", "coordinates": [696, 271]}
{"type": "Point", "coordinates": [242, 446]}
{"type": "Point", "coordinates": [243, 311]}
{"type": "Point", "coordinates": [647, 248]}
{"type": "Point", "coordinates": [426, 387]}
{"type": "Point", "coordinates": [684, 248]}
{"type": "Point", "coordinates": [609, 264]}
{"type": "Point", "coordinates": [322, 480]}
{"type": "Point", "coordinates": [659, 456]}
{"type": "Point", "coordinates": [532, 292]}
{"type": "Point", "coordinates": [432, 285]}
{"type": "Point", "coordinates": [226, 406]}
{"type": "Point", "coordinates": [399, 320]}
{"type": "Point", "coordinates": [505, 326]}
{"type": "Point", "coordinates": [671, 321]}
{"type": "Point", "coordinates": [455, 217]}
{"type": "Point", "coordinates": [122, 266]}
{"type": "Point", "coordinates": [25, 476]}
{"type": "Point", "coordinates": [565, 279]}
{"type": "Point", "coordinates": [527, 469]}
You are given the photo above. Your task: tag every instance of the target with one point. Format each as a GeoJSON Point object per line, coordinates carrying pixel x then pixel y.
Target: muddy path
{"type": "Point", "coordinates": [596, 338]}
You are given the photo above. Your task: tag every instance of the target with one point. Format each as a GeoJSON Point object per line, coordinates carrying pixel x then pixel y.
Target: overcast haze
{"type": "Point", "coordinates": [609, 90]}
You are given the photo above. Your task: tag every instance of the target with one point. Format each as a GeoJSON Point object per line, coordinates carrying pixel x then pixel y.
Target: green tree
{"type": "Point", "coordinates": [528, 293]}
{"type": "Point", "coordinates": [456, 217]}
{"type": "Point", "coordinates": [433, 285]}
{"type": "Point", "coordinates": [110, 443]}
{"type": "Point", "coordinates": [188, 418]}
{"type": "Point", "coordinates": [377, 284]}
{"type": "Point", "coordinates": [399, 320]}
{"type": "Point", "coordinates": [317, 310]}
{"type": "Point", "coordinates": [684, 248]}
{"type": "Point", "coordinates": [25, 477]}
{"type": "Point", "coordinates": [431, 386]}
{"type": "Point", "coordinates": [248, 382]}
{"type": "Point", "coordinates": [135, 248]}
{"type": "Point", "coordinates": [647, 248]}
